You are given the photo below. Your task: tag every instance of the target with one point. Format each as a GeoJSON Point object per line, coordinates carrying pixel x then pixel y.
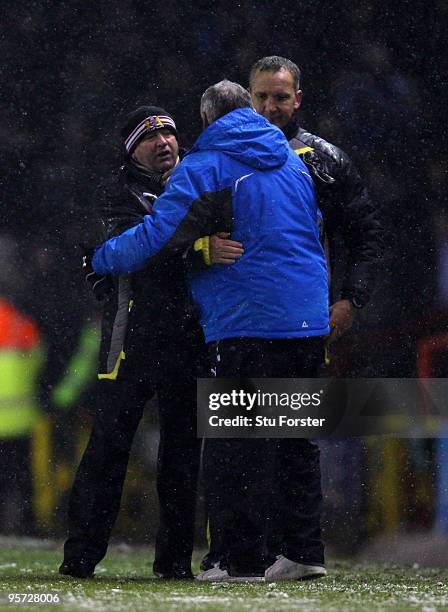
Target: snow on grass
{"type": "Point", "coordinates": [124, 582]}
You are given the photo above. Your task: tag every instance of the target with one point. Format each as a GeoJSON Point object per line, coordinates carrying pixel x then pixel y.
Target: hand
{"type": "Point", "coordinates": [100, 285]}
{"type": "Point", "coordinates": [223, 250]}
{"type": "Point", "coordinates": [342, 315]}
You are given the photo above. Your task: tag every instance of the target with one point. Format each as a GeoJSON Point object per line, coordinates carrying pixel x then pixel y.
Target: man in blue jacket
{"type": "Point", "coordinates": [264, 316]}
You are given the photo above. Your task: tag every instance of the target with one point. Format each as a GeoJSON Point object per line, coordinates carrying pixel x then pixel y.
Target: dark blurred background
{"type": "Point", "coordinates": [374, 79]}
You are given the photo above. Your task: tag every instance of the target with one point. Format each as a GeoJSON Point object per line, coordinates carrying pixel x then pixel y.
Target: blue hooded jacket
{"type": "Point", "coordinates": [240, 177]}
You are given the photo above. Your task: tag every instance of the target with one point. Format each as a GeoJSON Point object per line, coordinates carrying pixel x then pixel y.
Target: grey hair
{"type": "Point", "coordinates": [222, 98]}
{"type": "Point", "coordinates": [274, 63]}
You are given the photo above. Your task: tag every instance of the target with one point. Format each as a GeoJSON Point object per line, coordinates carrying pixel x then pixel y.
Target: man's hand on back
{"type": "Point", "coordinates": [223, 250]}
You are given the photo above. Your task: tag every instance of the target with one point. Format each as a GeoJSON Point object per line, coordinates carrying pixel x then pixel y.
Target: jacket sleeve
{"type": "Point", "coordinates": [116, 211]}
{"type": "Point", "coordinates": [363, 235]}
{"type": "Point", "coordinates": [348, 209]}
{"type": "Point", "coordinates": [180, 216]}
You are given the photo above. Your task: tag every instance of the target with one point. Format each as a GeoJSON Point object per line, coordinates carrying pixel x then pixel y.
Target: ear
{"type": "Point", "coordinates": [298, 99]}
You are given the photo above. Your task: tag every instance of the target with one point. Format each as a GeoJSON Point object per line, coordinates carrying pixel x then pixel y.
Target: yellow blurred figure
{"type": "Point", "coordinates": [20, 361]}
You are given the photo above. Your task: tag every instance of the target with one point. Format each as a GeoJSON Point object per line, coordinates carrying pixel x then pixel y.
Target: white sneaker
{"type": "Point", "coordinates": [285, 569]}
{"type": "Point", "coordinates": [216, 574]}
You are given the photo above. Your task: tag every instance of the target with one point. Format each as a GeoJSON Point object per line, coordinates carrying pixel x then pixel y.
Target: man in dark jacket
{"type": "Point", "coordinates": [343, 199]}
{"type": "Point", "coordinates": [242, 177]}
{"type": "Point", "coordinates": [151, 343]}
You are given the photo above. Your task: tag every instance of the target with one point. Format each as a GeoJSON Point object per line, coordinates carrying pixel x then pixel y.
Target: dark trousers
{"type": "Point", "coordinates": [96, 494]}
{"type": "Point", "coordinates": [264, 496]}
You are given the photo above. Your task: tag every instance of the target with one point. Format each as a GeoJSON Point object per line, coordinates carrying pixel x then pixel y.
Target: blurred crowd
{"type": "Point", "coordinates": [373, 83]}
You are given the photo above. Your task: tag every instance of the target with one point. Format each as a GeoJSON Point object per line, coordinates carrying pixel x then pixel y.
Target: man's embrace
{"type": "Point", "coordinates": [266, 315]}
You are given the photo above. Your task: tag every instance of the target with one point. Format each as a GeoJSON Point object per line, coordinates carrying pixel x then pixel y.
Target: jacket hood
{"type": "Point", "coordinates": [246, 136]}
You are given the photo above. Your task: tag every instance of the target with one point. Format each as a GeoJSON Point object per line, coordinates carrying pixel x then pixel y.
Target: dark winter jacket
{"type": "Point", "coordinates": [347, 210]}
{"type": "Point", "coordinates": [150, 325]}
{"type": "Point", "coordinates": [240, 177]}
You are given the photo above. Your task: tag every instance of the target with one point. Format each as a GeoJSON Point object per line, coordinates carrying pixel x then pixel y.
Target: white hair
{"type": "Point", "coordinates": [222, 98]}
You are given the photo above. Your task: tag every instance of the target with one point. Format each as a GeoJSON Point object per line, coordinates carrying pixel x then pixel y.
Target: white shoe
{"type": "Point", "coordinates": [216, 574]}
{"type": "Point", "coordinates": [285, 569]}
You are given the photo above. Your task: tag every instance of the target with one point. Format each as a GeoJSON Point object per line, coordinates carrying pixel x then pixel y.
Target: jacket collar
{"type": "Point", "coordinates": [141, 174]}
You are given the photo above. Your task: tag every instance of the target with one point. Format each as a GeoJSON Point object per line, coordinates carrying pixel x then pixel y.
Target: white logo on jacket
{"type": "Point", "coordinates": [238, 181]}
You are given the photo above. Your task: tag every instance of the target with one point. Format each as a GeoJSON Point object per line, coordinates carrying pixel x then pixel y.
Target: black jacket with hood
{"type": "Point", "coordinates": [149, 326]}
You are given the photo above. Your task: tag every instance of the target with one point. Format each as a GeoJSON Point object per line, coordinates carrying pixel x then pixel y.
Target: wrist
{"type": "Point", "coordinates": [355, 300]}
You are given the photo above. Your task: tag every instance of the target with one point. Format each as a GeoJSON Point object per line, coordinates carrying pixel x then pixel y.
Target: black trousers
{"type": "Point", "coordinates": [96, 494]}
{"type": "Point", "coordinates": [263, 496]}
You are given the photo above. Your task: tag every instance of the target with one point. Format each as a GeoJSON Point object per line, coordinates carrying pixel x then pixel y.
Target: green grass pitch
{"type": "Point", "coordinates": [124, 581]}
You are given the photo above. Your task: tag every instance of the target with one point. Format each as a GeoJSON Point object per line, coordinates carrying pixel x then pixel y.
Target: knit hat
{"type": "Point", "coordinates": [145, 120]}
